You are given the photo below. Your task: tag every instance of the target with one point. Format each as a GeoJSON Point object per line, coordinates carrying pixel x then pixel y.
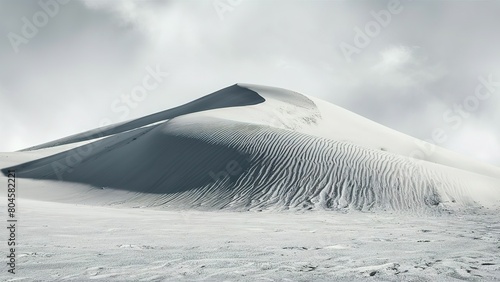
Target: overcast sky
{"type": "Point", "coordinates": [418, 66]}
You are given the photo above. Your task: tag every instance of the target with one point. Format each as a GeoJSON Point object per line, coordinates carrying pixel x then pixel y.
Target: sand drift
{"type": "Point", "coordinates": [249, 147]}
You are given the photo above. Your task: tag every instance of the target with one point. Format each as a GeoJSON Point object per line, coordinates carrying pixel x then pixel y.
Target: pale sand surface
{"type": "Point", "coordinates": [69, 242]}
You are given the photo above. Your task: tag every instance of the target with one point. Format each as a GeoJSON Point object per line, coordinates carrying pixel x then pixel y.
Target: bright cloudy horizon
{"type": "Point", "coordinates": [428, 69]}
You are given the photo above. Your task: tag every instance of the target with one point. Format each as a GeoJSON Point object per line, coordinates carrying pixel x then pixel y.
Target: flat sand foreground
{"type": "Point", "coordinates": [71, 242]}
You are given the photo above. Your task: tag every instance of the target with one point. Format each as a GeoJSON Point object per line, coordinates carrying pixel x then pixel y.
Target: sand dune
{"type": "Point", "coordinates": [250, 147]}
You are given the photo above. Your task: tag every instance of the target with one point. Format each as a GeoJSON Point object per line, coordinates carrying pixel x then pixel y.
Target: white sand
{"type": "Point", "coordinates": [252, 183]}
{"type": "Point", "coordinates": [253, 147]}
{"type": "Point", "coordinates": [68, 242]}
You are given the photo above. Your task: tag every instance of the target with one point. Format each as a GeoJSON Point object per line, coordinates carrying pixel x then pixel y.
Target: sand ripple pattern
{"type": "Point", "coordinates": [287, 170]}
